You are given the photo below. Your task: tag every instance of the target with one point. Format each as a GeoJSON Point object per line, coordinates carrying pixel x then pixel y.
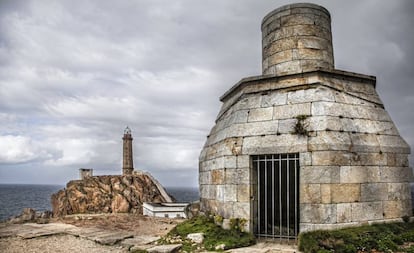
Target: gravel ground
{"type": "Point", "coordinates": [55, 244]}
{"type": "Point", "coordinates": [137, 224]}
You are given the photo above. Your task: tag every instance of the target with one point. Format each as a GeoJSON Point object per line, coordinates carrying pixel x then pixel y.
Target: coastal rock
{"type": "Point", "coordinates": [31, 215]}
{"type": "Point", "coordinates": [108, 194]}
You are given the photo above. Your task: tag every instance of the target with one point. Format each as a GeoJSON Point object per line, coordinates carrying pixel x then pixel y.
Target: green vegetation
{"type": "Point", "coordinates": [300, 127]}
{"type": "Point", "coordinates": [215, 237]}
{"type": "Point", "coordinates": [391, 237]}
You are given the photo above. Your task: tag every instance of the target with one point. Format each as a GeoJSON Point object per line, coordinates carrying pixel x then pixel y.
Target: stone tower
{"type": "Point", "coordinates": [127, 164]}
{"type": "Point", "coordinates": [85, 173]}
{"type": "Point", "coordinates": [304, 146]}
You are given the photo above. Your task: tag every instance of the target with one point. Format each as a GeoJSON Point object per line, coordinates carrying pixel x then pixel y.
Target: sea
{"type": "Point", "coordinates": [15, 197]}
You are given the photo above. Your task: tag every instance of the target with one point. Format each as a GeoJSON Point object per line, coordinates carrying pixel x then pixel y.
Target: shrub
{"type": "Point", "coordinates": [380, 237]}
{"type": "Point", "coordinates": [214, 235]}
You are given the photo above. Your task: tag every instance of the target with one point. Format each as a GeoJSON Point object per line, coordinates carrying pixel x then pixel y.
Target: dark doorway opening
{"type": "Point", "coordinates": [276, 190]}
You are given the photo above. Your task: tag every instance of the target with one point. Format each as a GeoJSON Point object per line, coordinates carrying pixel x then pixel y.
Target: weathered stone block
{"type": "Point", "coordinates": [326, 194]}
{"type": "Point", "coordinates": [243, 161]}
{"type": "Point", "coordinates": [253, 128]}
{"type": "Point", "coordinates": [232, 146]}
{"type": "Point", "coordinates": [397, 209]}
{"type": "Point", "coordinates": [313, 94]}
{"type": "Point", "coordinates": [204, 178]}
{"type": "Point", "coordinates": [282, 56]}
{"type": "Point", "coordinates": [288, 143]}
{"type": "Point", "coordinates": [331, 158]}
{"type": "Point", "coordinates": [208, 191]}
{"type": "Point", "coordinates": [220, 192]}
{"type": "Point", "coordinates": [216, 137]}
{"type": "Point", "coordinates": [230, 193]}
{"type": "Point", "coordinates": [364, 143]}
{"type": "Point", "coordinates": [243, 176]}
{"type": "Point", "coordinates": [225, 209]}
{"type": "Point", "coordinates": [318, 213]}
{"type": "Point", "coordinates": [274, 98]}
{"type": "Point", "coordinates": [310, 193]}
{"type": "Point", "coordinates": [260, 114]}
{"type": "Point", "coordinates": [230, 162]}
{"type": "Point", "coordinates": [369, 159]}
{"type": "Point", "coordinates": [239, 117]}
{"type": "Point", "coordinates": [306, 227]}
{"type": "Point", "coordinates": [374, 192]}
{"type": "Point", "coordinates": [359, 174]}
{"type": "Point", "coordinates": [345, 98]}
{"type": "Point", "coordinates": [340, 110]}
{"type": "Point", "coordinates": [379, 114]}
{"type": "Point", "coordinates": [322, 123]}
{"type": "Point", "coordinates": [396, 174]}
{"type": "Point", "coordinates": [330, 140]}
{"type": "Point", "coordinates": [291, 111]}
{"type": "Point", "coordinates": [366, 211]}
{"type": "Point", "coordinates": [345, 193]}
{"type": "Point", "coordinates": [300, 19]}
{"type": "Point", "coordinates": [241, 210]}
{"type": "Point", "coordinates": [399, 191]}
{"type": "Point", "coordinates": [319, 174]}
{"type": "Point", "coordinates": [393, 144]}
{"type": "Point", "coordinates": [286, 126]}
{"type": "Point", "coordinates": [344, 213]}
{"type": "Point", "coordinates": [397, 160]}
{"type": "Point", "coordinates": [243, 193]}
{"type": "Point", "coordinates": [217, 176]}
{"type": "Point", "coordinates": [248, 102]}
{"type": "Point", "coordinates": [368, 126]}
{"type": "Point", "coordinates": [231, 176]}
{"type": "Point", "coordinates": [305, 159]}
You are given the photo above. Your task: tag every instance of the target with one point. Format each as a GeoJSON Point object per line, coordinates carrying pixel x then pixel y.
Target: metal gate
{"type": "Point", "coordinates": [276, 187]}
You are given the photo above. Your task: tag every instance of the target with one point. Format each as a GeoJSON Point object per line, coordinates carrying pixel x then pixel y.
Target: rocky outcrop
{"type": "Point", "coordinates": [108, 194]}
{"type": "Point", "coordinates": [31, 215]}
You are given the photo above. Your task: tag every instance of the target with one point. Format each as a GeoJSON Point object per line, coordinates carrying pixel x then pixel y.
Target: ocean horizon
{"type": "Point", "coordinates": [15, 197]}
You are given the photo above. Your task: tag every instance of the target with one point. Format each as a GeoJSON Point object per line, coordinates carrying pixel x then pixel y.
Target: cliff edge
{"type": "Point", "coordinates": [108, 194]}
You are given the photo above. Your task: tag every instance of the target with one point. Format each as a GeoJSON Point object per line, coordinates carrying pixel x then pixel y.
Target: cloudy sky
{"type": "Point", "coordinates": [74, 74]}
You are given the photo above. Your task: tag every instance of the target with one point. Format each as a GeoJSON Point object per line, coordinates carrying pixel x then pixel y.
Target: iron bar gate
{"type": "Point", "coordinates": [276, 186]}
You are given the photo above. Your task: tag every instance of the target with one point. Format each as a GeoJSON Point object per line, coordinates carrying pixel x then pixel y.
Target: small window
{"type": "Point", "coordinates": [166, 215]}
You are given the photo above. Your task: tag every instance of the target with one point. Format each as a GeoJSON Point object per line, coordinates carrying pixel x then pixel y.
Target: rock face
{"type": "Point", "coordinates": [108, 194]}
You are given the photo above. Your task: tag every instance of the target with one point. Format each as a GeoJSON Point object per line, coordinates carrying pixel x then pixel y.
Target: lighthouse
{"type": "Point", "coordinates": [127, 164]}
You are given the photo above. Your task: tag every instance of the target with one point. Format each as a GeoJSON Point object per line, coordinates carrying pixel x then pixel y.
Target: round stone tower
{"type": "Point", "coordinates": [127, 164]}
{"type": "Point", "coordinates": [304, 146]}
{"type": "Point", "coordinates": [297, 38]}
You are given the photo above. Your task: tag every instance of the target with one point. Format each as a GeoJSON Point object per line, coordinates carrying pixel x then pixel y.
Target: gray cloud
{"type": "Point", "coordinates": [73, 74]}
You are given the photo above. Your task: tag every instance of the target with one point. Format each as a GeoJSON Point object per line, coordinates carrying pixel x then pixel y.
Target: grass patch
{"type": "Point", "coordinates": [389, 237]}
{"type": "Point", "coordinates": [214, 235]}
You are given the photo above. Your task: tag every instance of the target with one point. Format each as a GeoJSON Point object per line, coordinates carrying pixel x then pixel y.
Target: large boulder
{"type": "Point", "coordinates": [108, 194]}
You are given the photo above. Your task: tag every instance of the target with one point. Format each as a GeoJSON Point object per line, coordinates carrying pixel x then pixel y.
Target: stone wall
{"type": "Point", "coordinates": [353, 162]}
{"type": "Point", "coordinates": [354, 165]}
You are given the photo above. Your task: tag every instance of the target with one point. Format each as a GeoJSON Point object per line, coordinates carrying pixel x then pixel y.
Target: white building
{"type": "Point", "coordinates": [167, 210]}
